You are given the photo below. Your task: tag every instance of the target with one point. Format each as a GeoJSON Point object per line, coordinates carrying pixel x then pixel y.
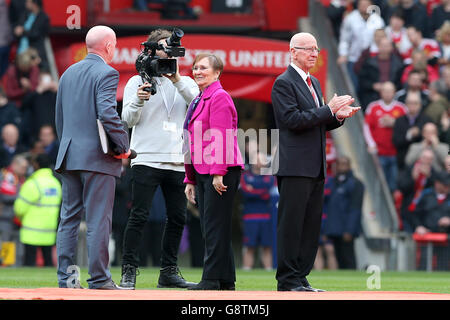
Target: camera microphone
{"type": "Point", "coordinates": [175, 38]}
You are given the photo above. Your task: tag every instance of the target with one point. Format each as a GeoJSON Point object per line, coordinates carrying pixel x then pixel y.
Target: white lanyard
{"type": "Point", "coordinates": [163, 93]}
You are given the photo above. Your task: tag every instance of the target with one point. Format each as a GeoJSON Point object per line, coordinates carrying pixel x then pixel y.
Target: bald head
{"type": "Point", "coordinates": [304, 50]}
{"type": "Point", "coordinates": [10, 134]}
{"type": "Point", "coordinates": [301, 38]}
{"type": "Point", "coordinates": [101, 40]}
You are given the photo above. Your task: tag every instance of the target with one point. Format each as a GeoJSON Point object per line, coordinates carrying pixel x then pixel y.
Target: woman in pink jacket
{"type": "Point", "coordinates": [213, 166]}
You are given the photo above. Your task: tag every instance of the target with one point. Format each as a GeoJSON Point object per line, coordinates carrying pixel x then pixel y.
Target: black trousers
{"type": "Point", "coordinates": [345, 252]}
{"type": "Point", "coordinates": [30, 255]}
{"type": "Point", "coordinates": [144, 184]}
{"type": "Point", "coordinates": [298, 229]}
{"type": "Point", "coordinates": [215, 221]}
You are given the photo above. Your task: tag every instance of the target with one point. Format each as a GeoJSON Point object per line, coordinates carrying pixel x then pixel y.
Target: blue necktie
{"type": "Point", "coordinates": [191, 110]}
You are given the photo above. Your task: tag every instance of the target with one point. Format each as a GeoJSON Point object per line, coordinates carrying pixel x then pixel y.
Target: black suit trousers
{"type": "Point", "coordinates": [215, 221]}
{"type": "Point", "coordinates": [298, 229]}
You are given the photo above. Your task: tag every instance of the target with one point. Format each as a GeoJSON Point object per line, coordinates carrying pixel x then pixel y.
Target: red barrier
{"type": "Point", "coordinates": [434, 237]}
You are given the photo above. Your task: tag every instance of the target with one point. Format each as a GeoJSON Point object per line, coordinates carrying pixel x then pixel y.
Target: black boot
{"type": "Point", "coordinates": [128, 280]}
{"type": "Point", "coordinates": [170, 277]}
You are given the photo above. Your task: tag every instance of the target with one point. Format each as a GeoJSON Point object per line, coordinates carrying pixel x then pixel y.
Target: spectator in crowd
{"type": "Point", "coordinates": [446, 78]}
{"type": "Point", "coordinates": [121, 209]}
{"type": "Point", "coordinates": [5, 37]}
{"type": "Point", "coordinates": [411, 183]}
{"type": "Point", "coordinates": [415, 14]}
{"type": "Point", "coordinates": [38, 108]}
{"type": "Point", "coordinates": [9, 144]}
{"type": "Point", "coordinates": [356, 35]}
{"type": "Point", "coordinates": [414, 85]}
{"type": "Point", "coordinates": [371, 51]}
{"type": "Point", "coordinates": [443, 38]}
{"type": "Point", "coordinates": [256, 215]}
{"type": "Point", "coordinates": [11, 179]}
{"type": "Point", "coordinates": [344, 211]}
{"type": "Point", "coordinates": [326, 256]}
{"type": "Point", "coordinates": [17, 9]}
{"type": "Point", "coordinates": [447, 163]}
{"type": "Point", "coordinates": [8, 111]}
{"type": "Point", "coordinates": [142, 5]}
{"type": "Point", "coordinates": [380, 117]}
{"type": "Point", "coordinates": [397, 32]}
{"type": "Point", "coordinates": [385, 66]}
{"type": "Point", "coordinates": [32, 30]}
{"type": "Point", "coordinates": [438, 102]}
{"type": "Point", "coordinates": [335, 12]}
{"type": "Point", "coordinates": [49, 142]}
{"type": "Point", "coordinates": [170, 9]}
{"type": "Point", "coordinates": [444, 132]}
{"type": "Point", "coordinates": [37, 207]}
{"type": "Point", "coordinates": [427, 45]}
{"type": "Point", "coordinates": [178, 9]}
{"type": "Point", "coordinates": [419, 63]}
{"type": "Point", "coordinates": [439, 16]}
{"type": "Point", "coordinates": [407, 129]}
{"type": "Point", "coordinates": [430, 5]}
{"type": "Point", "coordinates": [22, 78]}
{"type": "Point", "coordinates": [430, 140]}
{"type": "Point", "coordinates": [432, 214]}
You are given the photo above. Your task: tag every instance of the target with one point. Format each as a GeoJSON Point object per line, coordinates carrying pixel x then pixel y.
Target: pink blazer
{"type": "Point", "coordinates": [212, 132]}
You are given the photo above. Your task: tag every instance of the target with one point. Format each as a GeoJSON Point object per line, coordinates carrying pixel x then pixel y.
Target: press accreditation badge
{"type": "Point", "coordinates": [169, 126]}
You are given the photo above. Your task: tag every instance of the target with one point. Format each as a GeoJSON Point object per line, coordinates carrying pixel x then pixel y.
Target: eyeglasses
{"type": "Point", "coordinates": [309, 49]}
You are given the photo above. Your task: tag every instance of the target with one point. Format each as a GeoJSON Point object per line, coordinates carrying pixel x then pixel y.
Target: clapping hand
{"type": "Point", "coordinates": [346, 112]}
{"type": "Point", "coordinates": [337, 102]}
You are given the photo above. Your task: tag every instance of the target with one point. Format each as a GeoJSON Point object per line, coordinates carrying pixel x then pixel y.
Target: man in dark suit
{"type": "Point", "coordinates": [87, 91]}
{"type": "Point", "coordinates": [302, 119]}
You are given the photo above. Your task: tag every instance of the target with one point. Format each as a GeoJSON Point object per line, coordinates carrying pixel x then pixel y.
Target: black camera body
{"type": "Point", "coordinates": [149, 65]}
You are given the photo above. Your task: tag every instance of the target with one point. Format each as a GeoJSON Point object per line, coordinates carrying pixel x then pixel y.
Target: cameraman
{"type": "Point", "coordinates": [157, 122]}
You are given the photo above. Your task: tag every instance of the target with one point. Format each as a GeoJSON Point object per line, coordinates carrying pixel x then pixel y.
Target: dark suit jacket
{"type": "Point", "coordinates": [87, 89]}
{"type": "Point", "coordinates": [302, 126]}
{"type": "Point", "coordinates": [370, 74]}
{"type": "Point", "coordinates": [401, 127]}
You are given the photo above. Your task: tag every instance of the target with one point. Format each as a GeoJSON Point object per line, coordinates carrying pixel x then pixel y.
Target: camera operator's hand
{"type": "Point", "coordinates": [144, 95]}
{"type": "Point", "coordinates": [173, 77]}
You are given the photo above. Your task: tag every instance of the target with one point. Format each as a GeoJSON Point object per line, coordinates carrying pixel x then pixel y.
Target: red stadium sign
{"type": "Point", "coordinates": [251, 65]}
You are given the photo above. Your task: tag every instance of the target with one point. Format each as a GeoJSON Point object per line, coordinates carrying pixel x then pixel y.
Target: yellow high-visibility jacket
{"type": "Point", "coordinates": [37, 206]}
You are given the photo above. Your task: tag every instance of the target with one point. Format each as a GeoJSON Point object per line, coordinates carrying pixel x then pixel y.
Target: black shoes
{"type": "Point", "coordinates": [228, 286]}
{"type": "Point", "coordinates": [214, 285]}
{"type": "Point", "coordinates": [128, 280]}
{"type": "Point", "coordinates": [206, 285]}
{"type": "Point", "coordinates": [170, 277]}
{"type": "Point", "coordinates": [304, 286]}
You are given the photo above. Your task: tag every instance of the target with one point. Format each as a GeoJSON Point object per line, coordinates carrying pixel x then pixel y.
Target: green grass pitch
{"type": "Point", "coordinates": [437, 282]}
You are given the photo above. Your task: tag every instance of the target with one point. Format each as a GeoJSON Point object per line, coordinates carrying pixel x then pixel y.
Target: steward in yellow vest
{"type": "Point", "coordinates": [37, 207]}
